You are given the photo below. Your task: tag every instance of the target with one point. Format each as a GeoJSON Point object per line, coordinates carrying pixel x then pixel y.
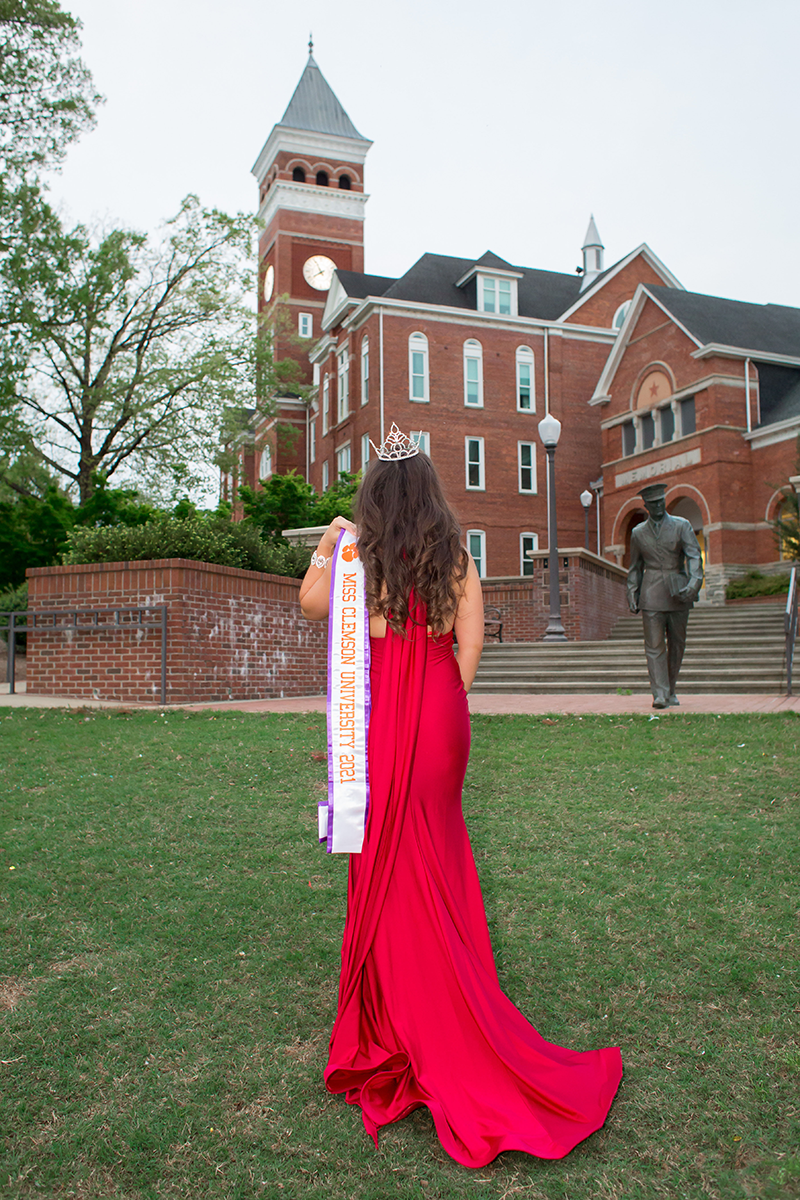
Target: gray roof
{"type": "Point", "coordinates": [358, 286]}
{"type": "Point", "coordinates": [314, 106]}
{"type": "Point", "coordinates": [770, 328]}
{"type": "Point", "coordinates": [433, 277]}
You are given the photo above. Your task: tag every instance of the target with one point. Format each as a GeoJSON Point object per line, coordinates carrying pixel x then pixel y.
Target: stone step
{"type": "Point", "coordinates": [706, 687]}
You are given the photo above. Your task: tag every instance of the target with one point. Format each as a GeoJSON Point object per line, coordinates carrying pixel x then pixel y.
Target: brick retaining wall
{"type": "Point", "coordinates": [592, 598]}
{"type": "Point", "coordinates": [232, 635]}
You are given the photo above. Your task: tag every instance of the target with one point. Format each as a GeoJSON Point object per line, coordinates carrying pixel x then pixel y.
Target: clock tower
{"type": "Point", "coordinates": [311, 201]}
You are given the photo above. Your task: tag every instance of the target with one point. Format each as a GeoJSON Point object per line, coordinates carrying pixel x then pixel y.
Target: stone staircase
{"type": "Point", "coordinates": [738, 649]}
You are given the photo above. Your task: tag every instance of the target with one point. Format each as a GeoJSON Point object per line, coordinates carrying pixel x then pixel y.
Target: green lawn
{"type": "Point", "coordinates": [170, 937]}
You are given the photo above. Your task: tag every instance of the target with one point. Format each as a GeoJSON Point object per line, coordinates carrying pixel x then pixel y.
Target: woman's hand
{"type": "Point", "coordinates": [316, 587]}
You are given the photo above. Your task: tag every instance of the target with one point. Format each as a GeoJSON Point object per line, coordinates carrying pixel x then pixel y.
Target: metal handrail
{"type": "Point", "coordinates": [790, 627]}
{"type": "Point", "coordinates": [45, 620]}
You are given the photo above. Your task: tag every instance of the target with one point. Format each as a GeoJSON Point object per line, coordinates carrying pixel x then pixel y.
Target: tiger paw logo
{"type": "Point", "coordinates": [350, 552]}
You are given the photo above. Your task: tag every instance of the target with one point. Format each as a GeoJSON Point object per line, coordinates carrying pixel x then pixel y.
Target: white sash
{"type": "Point", "coordinates": [342, 816]}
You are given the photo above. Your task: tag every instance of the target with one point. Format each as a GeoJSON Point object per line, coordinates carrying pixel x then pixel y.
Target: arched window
{"type": "Point", "coordinates": [418, 383]}
{"type": "Point", "coordinates": [344, 183]}
{"type": "Point", "coordinates": [526, 394]}
{"type": "Point", "coordinates": [473, 373]}
{"type": "Point", "coordinates": [364, 369]}
{"type": "Point", "coordinates": [343, 389]}
{"type": "Point", "coordinates": [265, 466]}
{"type": "Point", "coordinates": [322, 178]}
{"type": "Point", "coordinates": [620, 315]}
{"type": "Point", "coordinates": [299, 175]}
{"type": "Point", "coordinates": [326, 400]}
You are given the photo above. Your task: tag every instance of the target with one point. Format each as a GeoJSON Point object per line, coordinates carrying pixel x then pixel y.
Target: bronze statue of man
{"type": "Point", "coordinates": [664, 580]}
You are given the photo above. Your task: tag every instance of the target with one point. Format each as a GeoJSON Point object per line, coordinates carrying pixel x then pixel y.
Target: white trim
{"type": "Point", "coordinates": [524, 357]}
{"type": "Point", "coordinates": [533, 489]}
{"type": "Point", "coordinates": [523, 560]}
{"type": "Point", "coordinates": [470, 317]}
{"type": "Point", "coordinates": [338, 452]}
{"type": "Point", "coordinates": [480, 562]}
{"type": "Point", "coordinates": [478, 269]}
{"type": "Point", "coordinates": [602, 393]}
{"type": "Point", "coordinates": [423, 439]}
{"type": "Point", "coordinates": [497, 277]}
{"type": "Point", "coordinates": [312, 440]}
{"type": "Point", "coordinates": [418, 345]}
{"type": "Point", "coordinates": [481, 485]}
{"type": "Point", "coordinates": [717, 348]}
{"type": "Point", "coordinates": [650, 258]}
{"type": "Point", "coordinates": [473, 353]}
{"type": "Point", "coordinates": [305, 316]}
{"type": "Point", "coordinates": [342, 383]}
{"type": "Point", "coordinates": [305, 143]}
{"type": "Point", "coordinates": [326, 481]}
{"type": "Point", "coordinates": [768, 435]}
{"type": "Point", "coordinates": [287, 196]}
{"type": "Point", "coordinates": [363, 359]}
{"type": "Point", "coordinates": [326, 403]}
{"type": "Point", "coordinates": [365, 448]}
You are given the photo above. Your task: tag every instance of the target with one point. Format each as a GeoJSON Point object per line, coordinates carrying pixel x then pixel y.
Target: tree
{"type": "Point", "coordinates": [786, 525]}
{"type": "Point", "coordinates": [138, 349]}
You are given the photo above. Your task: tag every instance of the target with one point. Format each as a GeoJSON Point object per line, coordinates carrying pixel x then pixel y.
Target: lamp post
{"type": "Point", "coordinates": [550, 432]}
{"type": "Point", "coordinates": [586, 501]}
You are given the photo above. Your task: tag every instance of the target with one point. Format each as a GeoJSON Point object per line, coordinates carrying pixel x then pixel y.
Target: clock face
{"type": "Point", "coordinates": [318, 271]}
{"type": "Point", "coordinates": [269, 283]}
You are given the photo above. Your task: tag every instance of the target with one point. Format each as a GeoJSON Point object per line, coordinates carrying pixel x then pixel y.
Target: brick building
{"type": "Point", "coordinates": [471, 353]}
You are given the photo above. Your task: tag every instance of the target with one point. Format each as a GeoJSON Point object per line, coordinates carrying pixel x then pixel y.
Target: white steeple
{"type": "Point", "coordinates": [592, 255]}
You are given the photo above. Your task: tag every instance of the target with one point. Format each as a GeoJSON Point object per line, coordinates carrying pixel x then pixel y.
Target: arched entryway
{"type": "Point", "coordinates": [631, 520]}
{"type": "Point", "coordinates": [685, 507]}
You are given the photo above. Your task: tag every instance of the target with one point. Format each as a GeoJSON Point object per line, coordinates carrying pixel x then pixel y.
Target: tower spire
{"type": "Point", "coordinates": [310, 44]}
{"type": "Point", "coordinates": [592, 255]}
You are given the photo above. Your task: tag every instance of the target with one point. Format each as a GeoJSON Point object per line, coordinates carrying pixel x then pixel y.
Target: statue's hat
{"type": "Point", "coordinates": [653, 491]}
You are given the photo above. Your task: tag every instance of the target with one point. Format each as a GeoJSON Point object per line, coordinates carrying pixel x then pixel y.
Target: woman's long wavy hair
{"type": "Point", "coordinates": [409, 537]}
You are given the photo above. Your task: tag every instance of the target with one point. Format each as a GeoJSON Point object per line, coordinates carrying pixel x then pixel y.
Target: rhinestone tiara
{"type": "Point", "coordinates": [396, 447]}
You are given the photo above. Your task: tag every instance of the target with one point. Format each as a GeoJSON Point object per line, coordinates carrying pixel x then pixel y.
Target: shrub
{"type": "Point", "coordinates": [211, 540]}
{"type": "Point", "coordinates": [756, 584]}
{"type": "Point", "coordinates": [14, 599]}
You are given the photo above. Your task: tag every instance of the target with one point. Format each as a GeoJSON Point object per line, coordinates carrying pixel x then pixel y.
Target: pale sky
{"type": "Point", "coordinates": [495, 126]}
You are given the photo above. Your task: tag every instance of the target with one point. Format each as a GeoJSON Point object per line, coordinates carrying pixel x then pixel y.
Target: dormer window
{"type": "Point", "coordinates": [497, 295]}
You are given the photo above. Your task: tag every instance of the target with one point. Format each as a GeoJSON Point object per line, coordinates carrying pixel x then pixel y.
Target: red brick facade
{"type": "Point", "coordinates": [593, 598]}
{"type": "Point", "coordinates": [231, 635]}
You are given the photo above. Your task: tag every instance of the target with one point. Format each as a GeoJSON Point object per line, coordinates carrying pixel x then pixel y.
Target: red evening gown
{"type": "Point", "coordinates": [421, 1017]}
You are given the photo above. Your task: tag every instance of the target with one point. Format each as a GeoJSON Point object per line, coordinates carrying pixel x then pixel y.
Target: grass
{"type": "Point", "coordinates": [170, 938]}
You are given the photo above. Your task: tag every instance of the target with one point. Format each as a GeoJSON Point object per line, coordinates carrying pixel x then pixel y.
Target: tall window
{"type": "Point", "coordinates": [628, 438]}
{"type": "Point", "coordinates": [497, 295]}
{"type": "Point", "coordinates": [526, 466]}
{"type": "Point", "coordinates": [423, 440]}
{"type": "Point", "coordinates": [326, 400]}
{"type": "Point", "coordinates": [418, 384]}
{"type": "Point", "coordinates": [265, 466]}
{"type": "Point", "coordinates": [305, 325]}
{"type": "Point", "coordinates": [325, 476]}
{"type": "Point", "coordinates": [526, 397]}
{"type": "Point", "coordinates": [364, 450]}
{"type": "Point", "coordinates": [648, 427]}
{"type": "Point", "coordinates": [476, 544]}
{"type": "Point", "coordinates": [312, 440]}
{"type": "Point", "coordinates": [688, 418]}
{"type": "Point", "coordinates": [473, 455]}
{"type": "Point", "coordinates": [528, 542]}
{"type": "Point", "coordinates": [342, 460]}
{"type": "Point", "coordinates": [473, 373]}
{"type": "Point", "coordinates": [667, 424]}
{"type": "Point", "coordinates": [342, 399]}
{"type": "Point", "coordinates": [364, 369]}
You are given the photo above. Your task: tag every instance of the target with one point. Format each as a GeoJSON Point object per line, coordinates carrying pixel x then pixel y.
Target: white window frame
{"type": "Point", "coordinates": [342, 385]}
{"type": "Point", "coordinates": [619, 316]}
{"type": "Point", "coordinates": [418, 344]}
{"type": "Point", "coordinates": [365, 370]}
{"type": "Point", "coordinates": [481, 486]}
{"type": "Point", "coordinates": [480, 558]}
{"type": "Point", "coordinates": [365, 448]}
{"type": "Point", "coordinates": [325, 476]}
{"type": "Point", "coordinates": [490, 286]}
{"type": "Point", "coordinates": [423, 439]}
{"type": "Point", "coordinates": [312, 439]}
{"type": "Point", "coordinates": [342, 452]}
{"type": "Point", "coordinates": [305, 325]}
{"type": "Point", "coordinates": [523, 551]}
{"type": "Point", "coordinates": [473, 352]}
{"type": "Point", "coordinates": [532, 490]}
{"type": "Point", "coordinates": [326, 403]}
{"type": "Point", "coordinates": [265, 461]}
{"type": "Point", "coordinates": [525, 358]}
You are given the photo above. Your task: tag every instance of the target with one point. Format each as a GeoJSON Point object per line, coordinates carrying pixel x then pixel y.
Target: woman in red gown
{"type": "Point", "coordinates": [421, 1017]}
